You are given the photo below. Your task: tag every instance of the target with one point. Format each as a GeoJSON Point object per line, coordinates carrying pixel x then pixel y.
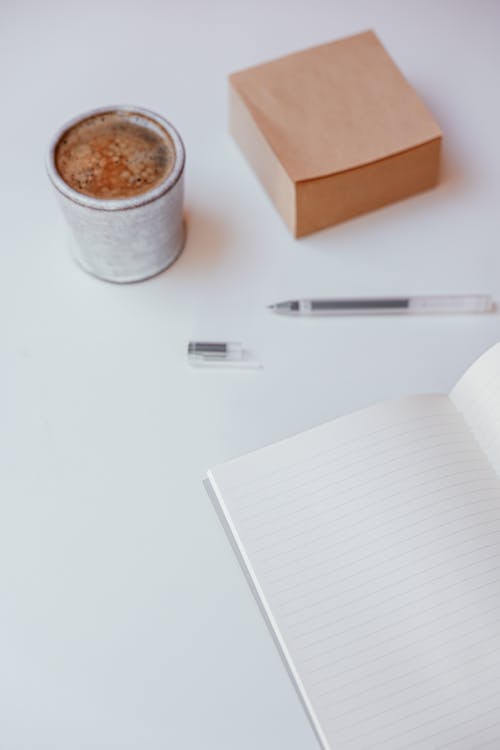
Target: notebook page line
{"type": "Point", "coordinates": [326, 624]}
{"type": "Point", "coordinates": [373, 528]}
{"type": "Point", "coordinates": [284, 596]}
{"type": "Point", "coordinates": [493, 489]}
{"type": "Point", "coordinates": [444, 716]}
{"type": "Point", "coordinates": [444, 414]}
{"type": "Point", "coordinates": [375, 592]}
{"type": "Point", "coordinates": [352, 655]}
{"type": "Point", "coordinates": [346, 698]}
{"type": "Point", "coordinates": [320, 641]}
{"type": "Point", "coordinates": [255, 497]}
{"type": "Point", "coordinates": [367, 477]}
{"type": "Point", "coordinates": [492, 744]}
{"type": "Point", "coordinates": [268, 534]}
{"type": "Point", "coordinates": [418, 548]}
{"type": "Point", "coordinates": [457, 682]}
{"type": "Point", "coordinates": [315, 615]}
{"type": "Point", "coordinates": [323, 697]}
{"type": "Point", "coordinates": [306, 496]}
{"type": "Point", "coordinates": [326, 548]}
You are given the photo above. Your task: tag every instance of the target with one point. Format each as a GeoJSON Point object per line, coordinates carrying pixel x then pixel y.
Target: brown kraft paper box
{"type": "Point", "coordinates": [334, 131]}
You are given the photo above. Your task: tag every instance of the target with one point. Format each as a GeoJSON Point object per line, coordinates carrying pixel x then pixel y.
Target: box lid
{"type": "Point", "coordinates": [334, 107]}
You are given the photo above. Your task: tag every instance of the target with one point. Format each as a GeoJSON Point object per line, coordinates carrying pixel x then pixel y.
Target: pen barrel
{"type": "Point", "coordinates": [437, 304]}
{"type": "Point", "coordinates": [353, 306]}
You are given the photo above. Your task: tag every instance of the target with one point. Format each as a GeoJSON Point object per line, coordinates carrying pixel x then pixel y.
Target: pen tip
{"type": "Point", "coordinates": [271, 307]}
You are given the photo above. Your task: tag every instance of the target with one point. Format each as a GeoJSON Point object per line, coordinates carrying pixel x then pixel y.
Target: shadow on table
{"type": "Point", "coordinates": [452, 174]}
{"type": "Point", "coordinates": [207, 241]}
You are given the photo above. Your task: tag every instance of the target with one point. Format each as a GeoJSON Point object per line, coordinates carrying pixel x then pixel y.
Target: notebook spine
{"type": "Point", "coordinates": [212, 494]}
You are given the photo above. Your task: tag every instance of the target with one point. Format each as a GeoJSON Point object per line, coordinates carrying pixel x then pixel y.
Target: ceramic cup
{"type": "Point", "coordinates": [125, 239]}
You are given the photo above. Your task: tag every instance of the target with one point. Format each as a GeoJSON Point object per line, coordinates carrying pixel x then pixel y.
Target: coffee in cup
{"type": "Point", "coordinates": [119, 175]}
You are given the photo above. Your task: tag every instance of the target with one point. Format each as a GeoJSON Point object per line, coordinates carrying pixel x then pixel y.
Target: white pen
{"type": "Point", "coordinates": [438, 304]}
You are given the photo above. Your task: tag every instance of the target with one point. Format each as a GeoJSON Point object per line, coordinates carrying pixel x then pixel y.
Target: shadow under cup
{"type": "Point", "coordinates": [125, 239]}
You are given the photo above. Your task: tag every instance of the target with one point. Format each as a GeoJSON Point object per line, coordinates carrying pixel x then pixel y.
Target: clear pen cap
{"type": "Point", "coordinates": [453, 303]}
{"type": "Point", "coordinates": [230, 354]}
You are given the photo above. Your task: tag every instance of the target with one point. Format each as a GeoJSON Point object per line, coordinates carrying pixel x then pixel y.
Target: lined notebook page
{"type": "Point", "coordinates": [477, 396]}
{"type": "Point", "coordinates": [374, 545]}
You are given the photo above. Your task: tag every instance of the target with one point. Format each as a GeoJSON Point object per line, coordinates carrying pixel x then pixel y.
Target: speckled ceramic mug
{"type": "Point", "coordinates": [125, 239]}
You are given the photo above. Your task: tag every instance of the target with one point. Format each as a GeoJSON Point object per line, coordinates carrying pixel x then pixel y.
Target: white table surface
{"type": "Point", "coordinates": [124, 619]}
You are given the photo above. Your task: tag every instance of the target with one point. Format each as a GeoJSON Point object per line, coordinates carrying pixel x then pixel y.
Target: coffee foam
{"type": "Point", "coordinates": [114, 155]}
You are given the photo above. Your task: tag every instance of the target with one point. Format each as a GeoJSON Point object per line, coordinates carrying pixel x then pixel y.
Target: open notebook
{"type": "Point", "coordinates": [372, 544]}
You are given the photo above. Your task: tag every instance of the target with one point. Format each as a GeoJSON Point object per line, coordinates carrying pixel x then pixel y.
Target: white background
{"type": "Point", "coordinates": [124, 619]}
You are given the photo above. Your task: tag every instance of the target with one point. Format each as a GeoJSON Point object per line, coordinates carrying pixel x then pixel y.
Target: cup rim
{"type": "Point", "coordinates": [117, 204]}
